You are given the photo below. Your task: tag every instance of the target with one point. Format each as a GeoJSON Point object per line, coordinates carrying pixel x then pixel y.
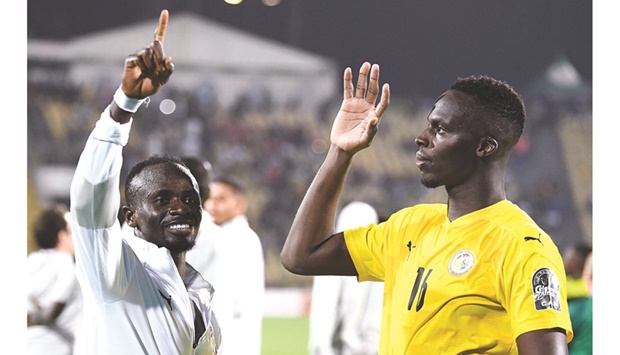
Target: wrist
{"type": "Point", "coordinates": [118, 114]}
{"type": "Point", "coordinates": [127, 103]}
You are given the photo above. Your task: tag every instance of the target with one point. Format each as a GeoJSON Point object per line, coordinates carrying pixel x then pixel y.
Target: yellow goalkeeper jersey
{"type": "Point", "coordinates": [472, 285]}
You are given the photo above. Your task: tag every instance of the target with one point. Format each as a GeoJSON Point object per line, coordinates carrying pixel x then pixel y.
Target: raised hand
{"type": "Point", "coordinates": [147, 70]}
{"type": "Point", "coordinates": [358, 120]}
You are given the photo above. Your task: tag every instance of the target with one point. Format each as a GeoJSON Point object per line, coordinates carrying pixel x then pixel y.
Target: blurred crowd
{"type": "Point", "coordinates": [275, 150]}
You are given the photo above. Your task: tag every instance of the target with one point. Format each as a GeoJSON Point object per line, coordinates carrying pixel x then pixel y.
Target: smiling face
{"type": "Point", "coordinates": [447, 147]}
{"type": "Point", "coordinates": [167, 209]}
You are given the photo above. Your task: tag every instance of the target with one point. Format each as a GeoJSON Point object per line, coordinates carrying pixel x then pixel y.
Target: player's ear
{"type": "Point", "coordinates": [130, 216]}
{"type": "Point", "coordinates": [487, 146]}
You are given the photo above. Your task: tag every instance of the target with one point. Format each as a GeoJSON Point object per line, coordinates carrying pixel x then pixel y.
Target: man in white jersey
{"type": "Point", "coordinates": [54, 297]}
{"type": "Point", "coordinates": [241, 280]}
{"type": "Point", "coordinates": [140, 296]}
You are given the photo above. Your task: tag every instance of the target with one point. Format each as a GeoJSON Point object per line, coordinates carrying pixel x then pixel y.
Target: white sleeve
{"type": "Point", "coordinates": [101, 260]}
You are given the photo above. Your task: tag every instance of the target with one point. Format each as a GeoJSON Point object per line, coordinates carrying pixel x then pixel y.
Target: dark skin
{"type": "Point", "coordinates": [469, 165]}
{"type": "Point", "coordinates": [146, 71]}
{"type": "Point", "coordinates": [167, 211]}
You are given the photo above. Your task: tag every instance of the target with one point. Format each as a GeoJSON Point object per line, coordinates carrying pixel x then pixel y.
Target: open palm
{"type": "Point", "coordinates": [358, 120]}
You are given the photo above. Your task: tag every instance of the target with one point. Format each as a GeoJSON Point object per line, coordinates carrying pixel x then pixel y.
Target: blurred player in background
{"type": "Point", "coordinates": [240, 283]}
{"type": "Point", "coordinates": [345, 315]}
{"type": "Point", "coordinates": [54, 297]}
{"type": "Point", "coordinates": [574, 257]}
{"type": "Point", "coordinates": [578, 261]}
{"type": "Point", "coordinates": [213, 254]}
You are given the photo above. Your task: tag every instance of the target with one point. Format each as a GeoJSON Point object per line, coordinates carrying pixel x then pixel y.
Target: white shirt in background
{"type": "Point", "coordinates": [51, 279]}
{"type": "Point", "coordinates": [345, 315]}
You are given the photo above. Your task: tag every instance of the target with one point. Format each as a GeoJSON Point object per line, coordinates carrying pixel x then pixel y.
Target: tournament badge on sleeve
{"type": "Point", "coordinates": [546, 289]}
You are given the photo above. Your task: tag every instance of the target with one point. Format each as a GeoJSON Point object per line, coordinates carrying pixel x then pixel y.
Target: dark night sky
{"type": "Point", "coordinates": [422, 46]}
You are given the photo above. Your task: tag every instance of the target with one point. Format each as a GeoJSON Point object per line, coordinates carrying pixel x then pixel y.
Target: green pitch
{"type": "Point", "coordinates": [285, 336]}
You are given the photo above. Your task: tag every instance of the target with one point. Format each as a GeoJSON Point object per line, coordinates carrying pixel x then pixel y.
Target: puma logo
{"type": "Point", "coordinates": [528, 238]}
{"type": "Point", "coordinates": [410, 246]}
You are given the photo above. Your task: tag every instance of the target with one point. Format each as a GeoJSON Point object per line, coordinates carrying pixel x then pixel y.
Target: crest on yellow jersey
{"type": "Point", "coordinates": [461, 262]}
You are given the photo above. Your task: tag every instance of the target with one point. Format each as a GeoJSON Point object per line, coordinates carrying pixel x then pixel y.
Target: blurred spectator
{"type": "Point", "coordinates": [54, 296]}
{"type": "Point", "coordinates": [580, 309]}
{"type": "Point", "coordinates": [547, 204]}
{"type": "Point", "coordinates": [278, 182]}
{"type": "Point", "coordinates": [345, 315]}
{"type": "Point", "coordinates": [239, 302]}
{"type": "Point", "coordinates": [574, 257]}
{"type": "Point", "coordinates": [210, 255]}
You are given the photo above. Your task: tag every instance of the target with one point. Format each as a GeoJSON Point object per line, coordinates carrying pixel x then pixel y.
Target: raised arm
{"type": "Point", "coordinates": [146, 71]}
{"type": "Point", "coordinates": [311, 247]}
{"type": "Point", "coordinates": [95, 197]}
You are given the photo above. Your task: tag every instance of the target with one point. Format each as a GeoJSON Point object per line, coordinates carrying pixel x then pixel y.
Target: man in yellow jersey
{"type": "Point", "coordinates": [473, 276]}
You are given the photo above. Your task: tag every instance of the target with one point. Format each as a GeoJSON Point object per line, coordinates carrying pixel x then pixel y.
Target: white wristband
{"type": "Point", "coordinates": [127, 103]}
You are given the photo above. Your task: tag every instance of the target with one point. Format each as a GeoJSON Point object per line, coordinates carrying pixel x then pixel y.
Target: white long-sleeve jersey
{"type": "Point", "coordinates": [135, 301]}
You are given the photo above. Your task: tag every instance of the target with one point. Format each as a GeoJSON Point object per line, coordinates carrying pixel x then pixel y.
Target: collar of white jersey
{"type": "Point", "coordinates": [160, 260]}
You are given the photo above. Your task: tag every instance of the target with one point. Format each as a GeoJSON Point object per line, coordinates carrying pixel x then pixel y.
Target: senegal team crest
{"type": "Point", "coordinates": [462, 262]}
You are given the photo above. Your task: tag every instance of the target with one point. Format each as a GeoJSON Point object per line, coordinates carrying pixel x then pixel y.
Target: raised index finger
{"type": "Point", "coordinates": [160, 32]}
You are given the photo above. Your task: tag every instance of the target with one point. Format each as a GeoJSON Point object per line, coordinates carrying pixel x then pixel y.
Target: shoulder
{"type": "Point", "coordinates": [241, 226]}
{"type": "Point", "coordinates": [513, 223]}
{"type": "Point", "coordinates": [510, 233]}
{"type": "Point", "coordinates": [49, 257]}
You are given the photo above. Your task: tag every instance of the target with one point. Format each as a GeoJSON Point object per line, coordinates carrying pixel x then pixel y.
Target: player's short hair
{"type": "Point", "coordinates": [500, 104]}
{"type": "Point", "coordinates": [236, 184]}
{"type": "Point", "coordinates": [582, 250]}
{"type": "Point", "coordinates": [131, 187]}
{"type": "Point", "coordinates": [201, 173]}
{"type": "Point", "coordinates": [48, 224]}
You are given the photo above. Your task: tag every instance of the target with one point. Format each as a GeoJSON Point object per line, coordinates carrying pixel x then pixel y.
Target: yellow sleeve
{"type": "Point", "coordinates": [534, 287]}
{"type": "Point", "coordinates": [366, 246]}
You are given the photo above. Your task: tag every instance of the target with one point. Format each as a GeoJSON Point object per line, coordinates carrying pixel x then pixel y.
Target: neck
{"type": "Point", "coordinates": [462, 204]}
{"type": "Point", "coordinates": [65, 245]}
{"type": "Point", "coordinates": [179, 261]}
{"type": "Point", "coordinates": [480, 192]}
